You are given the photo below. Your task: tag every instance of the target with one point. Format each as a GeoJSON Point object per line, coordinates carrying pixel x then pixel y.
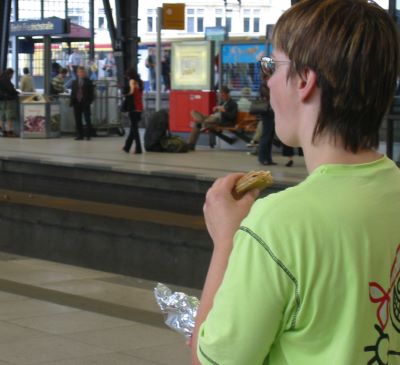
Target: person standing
{"type": "Point", "coordinates": [109, 65]}
{"type": "Point", "coordinates": [288, 152]}
{"type": "Point", "coordinates": [166, 70]}
{"type": "Point", "coordinates": [26, 83]}
{"type": "Point", "coordinates": [135, 112]}
{"type": "Point", "coordinates": [151, 65]}
{"type": "Point", "coordinates": [93, 70]}
{"type": "Point", "coordinates": [311, 274]}
{"type": "Point", "coordinates": [82, 96]}
{"type": "Point", "coordinates": [74, 61]}
{"type": "Point", "coordinates": [8, 103]}
{"type": "Point", "coordinates": [268, 130]}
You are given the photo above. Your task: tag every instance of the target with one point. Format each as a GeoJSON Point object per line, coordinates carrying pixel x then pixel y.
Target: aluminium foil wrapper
{"type": "Point", "coordinates": [180, 309]}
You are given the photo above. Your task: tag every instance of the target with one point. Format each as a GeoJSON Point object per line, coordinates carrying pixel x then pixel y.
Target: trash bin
{"type": "Point", "coordinates": [40, 117]}
{"type": "Point", "coordinates": [67, 114]}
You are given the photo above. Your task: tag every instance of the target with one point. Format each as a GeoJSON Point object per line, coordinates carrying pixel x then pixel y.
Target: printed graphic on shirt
{"type": "Point", "coordinates": [388, 301]}
{"type": "Point", "coordinates": [381, 351]}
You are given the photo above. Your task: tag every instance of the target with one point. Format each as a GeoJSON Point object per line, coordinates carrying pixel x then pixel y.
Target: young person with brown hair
{"type": "Point", "coordinates": [311, 275]}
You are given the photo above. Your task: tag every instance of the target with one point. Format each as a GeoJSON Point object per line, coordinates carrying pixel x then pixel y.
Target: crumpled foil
{"type": "Point", "coordinates": [180, 308]}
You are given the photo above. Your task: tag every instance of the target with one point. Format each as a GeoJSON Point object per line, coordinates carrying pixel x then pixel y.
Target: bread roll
{"type": "Point", "coordinates": [253, 180]}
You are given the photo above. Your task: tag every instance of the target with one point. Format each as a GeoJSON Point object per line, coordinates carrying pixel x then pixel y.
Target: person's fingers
{"type": "Point", "coordinates": [250, 196]}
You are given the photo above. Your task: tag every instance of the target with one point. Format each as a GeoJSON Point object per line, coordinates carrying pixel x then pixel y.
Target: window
{"type": "Point", "coordinates": [151, 21]}
{"type": "Point", "coordinates": [256, 24]}
{"type": "Point", "coordinates": [246, 25]}
{"type": "Point", "coordinates": [200, 20]}
{"type": "Point", "coordinates": [100, 22]}
{"type": "Point", "coordinates": [190, 20]}
{"type": "Point", "coordinates": [190, 24]}
{"type": "Point", "coordinates": [228, 24]}
{"type": "Point", "coordinates": [76, 15]}
{"type": "Point", "coordinates": [200, 25]}
{"type": "Point", "coordinates": [251, 20]}
{"type": "Point", "coordinates": [218, 17]}
{"type": "Point", "coordinates": [101, 19]}
{"type": "Point", "coordinates": [150, 24]}
{"type": "Point", "coordinates": [195, 20]}
{"type": "Point", "coordinates": [256, 20]}
{"type": "Point", "coordinates": [76, 19]}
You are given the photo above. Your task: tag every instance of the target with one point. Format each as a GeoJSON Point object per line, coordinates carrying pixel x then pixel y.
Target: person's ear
{"type": "Point", "coordinates": [307, 84]}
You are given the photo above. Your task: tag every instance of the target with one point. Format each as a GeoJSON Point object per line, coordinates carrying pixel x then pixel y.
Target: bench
{"type": "Point", "coordinates": [246, 123]}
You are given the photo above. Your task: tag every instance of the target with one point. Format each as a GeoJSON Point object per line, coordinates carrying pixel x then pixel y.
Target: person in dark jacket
{"type": "Point", "coordinates": [82, 96]}
{"type": "Point", "coordinates": [268, 128]}
{"type": "Point", "coordinates": [224, 115]}
{"type": "Point", "coordinates": [166, 70]}
{"type": "Point", "coordinates": [8, 103]}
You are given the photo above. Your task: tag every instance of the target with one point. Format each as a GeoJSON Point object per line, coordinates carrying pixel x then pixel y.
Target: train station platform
{"type": "Point", "coordinates": [105, 153]}
{"type": "Point", "coordinates": [87, 231]}
{"type": "Point", "coordinates": [52, 313]}
{"type": "Point", "coordinates": [89, 204]}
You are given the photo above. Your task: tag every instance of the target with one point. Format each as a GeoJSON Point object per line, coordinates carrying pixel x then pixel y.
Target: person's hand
{"type": "Point", "coordinates": [223, 213]}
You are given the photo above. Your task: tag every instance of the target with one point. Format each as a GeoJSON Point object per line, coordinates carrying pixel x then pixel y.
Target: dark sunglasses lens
{"type": "Point", "coordinates": [267, 68]}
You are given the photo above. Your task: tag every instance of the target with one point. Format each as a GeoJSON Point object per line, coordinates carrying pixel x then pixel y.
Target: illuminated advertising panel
{"type": "Point", "coordinates": [192, 66]}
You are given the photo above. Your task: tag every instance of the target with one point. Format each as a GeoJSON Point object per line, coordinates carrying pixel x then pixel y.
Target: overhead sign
{"type": "Point", "coordinates": [173, 16]}
{"type": "Point", "coordinates": [216, 34]}
{"type": "Point", "coordinates": [46, 26]}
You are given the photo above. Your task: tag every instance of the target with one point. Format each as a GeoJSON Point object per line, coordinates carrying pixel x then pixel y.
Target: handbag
{"type": "Point", "coordinates": [127, 104]}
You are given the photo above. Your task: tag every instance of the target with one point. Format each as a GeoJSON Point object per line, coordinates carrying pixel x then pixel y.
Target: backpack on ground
{"type": "Point", "coordinates": [174, 144]}
{"type": "Point", "coordinates": [156, 130]}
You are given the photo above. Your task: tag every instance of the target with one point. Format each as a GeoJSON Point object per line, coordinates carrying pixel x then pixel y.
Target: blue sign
{"type": "Point", "coordinates": [46, 26]}
{"type": "Point", "coordinates": [242, 53]}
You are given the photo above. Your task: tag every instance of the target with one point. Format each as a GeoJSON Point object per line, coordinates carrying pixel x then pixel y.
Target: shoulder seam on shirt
{"type": "Point", "coordinates": [282, 266]}
{"type": "Point", "coordinates": [207, 358]}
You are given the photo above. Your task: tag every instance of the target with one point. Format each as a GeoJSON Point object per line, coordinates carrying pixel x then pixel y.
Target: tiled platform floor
{"type": "Point", "coordinates": [36, 330]}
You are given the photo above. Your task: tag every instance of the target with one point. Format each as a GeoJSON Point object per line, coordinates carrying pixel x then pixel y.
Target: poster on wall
{"type": "Point", "coordinates": [240, 64]}
{"type": "Point", "coordinates": [34, 121]}
{"type": "Point", "coordinates": [191, 66]}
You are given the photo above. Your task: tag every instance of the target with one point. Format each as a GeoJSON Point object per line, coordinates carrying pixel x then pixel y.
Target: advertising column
{"type": "Point", "coordinates": [191, 82]}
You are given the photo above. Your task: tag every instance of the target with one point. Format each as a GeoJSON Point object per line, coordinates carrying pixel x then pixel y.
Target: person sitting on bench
{"type": "Point", "coordinates": [224, 114]}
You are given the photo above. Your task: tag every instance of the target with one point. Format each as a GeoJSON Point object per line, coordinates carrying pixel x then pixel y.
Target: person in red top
{"type": "Point", "coordinates": [135, 113]}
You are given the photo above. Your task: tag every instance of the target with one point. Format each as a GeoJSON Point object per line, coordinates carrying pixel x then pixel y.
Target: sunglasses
{"type": "Point", "coordinates": [268, 65]}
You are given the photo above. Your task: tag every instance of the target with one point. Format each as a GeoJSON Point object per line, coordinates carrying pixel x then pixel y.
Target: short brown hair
{"type": "Point", "coordinates": [225, 89]}
{"type": "Point", "coordinates": [352, 45]}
